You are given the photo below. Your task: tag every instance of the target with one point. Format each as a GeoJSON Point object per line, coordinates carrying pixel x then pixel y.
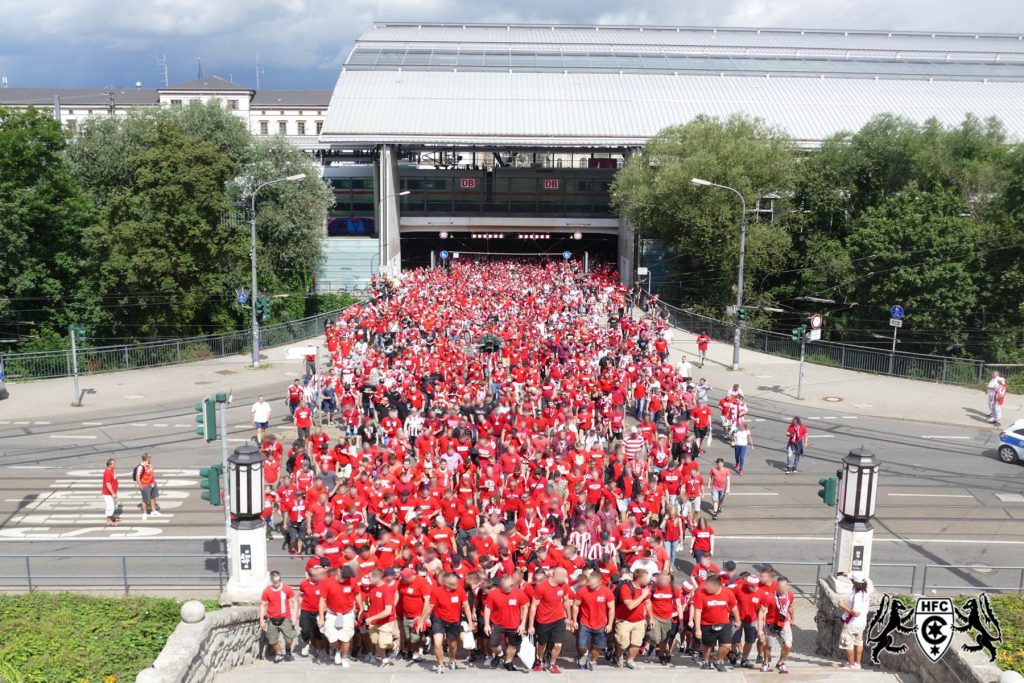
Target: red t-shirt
{"type": "Point", "coordinates": [778, 608]}
{"type": "Point", "coordinates": [702, 539]}
{"type": "Point", "coordinates": [447, 604]}
{"type": "Point", "coordinates": [378, 600]}
{"type": "Point", "coordinates": [506, 607]}
{"type": "Point", "coordinates": [109, 482]}
{"type": "Point", "coordinates": [278, 601]}
{"type": "Point", "coordinates": [627, 591]}
{"type": "Point", "coordinates": [341, 596]}
{"type": "Point", "coordinates": [594, 606]}
{"type": "Point", "coordinates": [716, 608]}
{"type": "Point", "coordinates": [412, 595]}
{"type": "Point", "coordinates": [663, 601]}
{"type": "Point", "coordinates": [750, 603]}
{"type": "Point", "coordinates": [551, 607]}
{"type": "Point", "coordinates": [311, 593]}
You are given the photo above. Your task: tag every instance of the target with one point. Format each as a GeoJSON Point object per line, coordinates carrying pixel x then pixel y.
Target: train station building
{"type": "Point", "coordinates": [504, 139]}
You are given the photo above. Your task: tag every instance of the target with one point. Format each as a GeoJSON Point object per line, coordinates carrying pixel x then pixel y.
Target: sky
{"type": "Point", "coordinates": [303, 43]}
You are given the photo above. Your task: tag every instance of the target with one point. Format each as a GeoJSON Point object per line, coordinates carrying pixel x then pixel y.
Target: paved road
{"type": "Point", "coordinates": [943, 496]}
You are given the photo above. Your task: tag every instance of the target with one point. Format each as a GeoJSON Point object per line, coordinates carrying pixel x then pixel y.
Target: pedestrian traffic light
{"type": "Point", "coordinates": [742, 314]}
{"type": "Point", "coordinates": [206, 418]}
{"type": "Point", "coordinates": [262, 309]}
{"type": "Point", "coordinates": [489, 343]}
{"type": "Point", "coordinates": [799, 332]}
{"type": "Point", "coordinates": [828, 490]}
{"type": "Point", "coordinates": [79, 333]}
{"type": "Point", "coordinates": [211, 482]}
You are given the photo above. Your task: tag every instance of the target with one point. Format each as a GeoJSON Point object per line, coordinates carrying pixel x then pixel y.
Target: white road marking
{"type": "Point", "coordinates": [22, 422]}
{"type": "Point", "coordinates": [5, 422]}
{"type": "Point", "coordinates": [830, 417]}
{"type": "Point", "coordinates": [133, 397]}
{"type": "Point", "coordinates": [241, 426]}
{"type": "Point", "coordinates": [29, 467]}
{"type": "Point", "coordinates": [943, 436]}
{"type": "Point", "coordinates": [964, 541]}
{"type": "Point", "coordinates": [862, 405]}
{"type": "Point", "coordinates": [72, 436]}
{"type": "Point", "coordinates": [182, 425]}
{"type": "Point", "coordinates": [821, 436]}
{"type": "Point", "coordinates": [160, 472]}
{"type": "Point", "coordinates": [930, 495]}
{"type": "Point", "coordinates": [814, 417]}
{"type": "Point", "coordinates": [159, 424]}
{"type": "Point", "coordinates": [139, 424]}
{"type": "Point", "coordinates": [849, 417]}
{"type": "Point", "coordinates": [42, 422]}
{"type": "Point", "coordinates": [239, 440]}
{"type": "Point", "coordinates": [753, 493]}
{"type": "Point", "coordinates": [758, 419]}
{"type": "Point", "coordinates": [1010, 497]}
{"type": "Point", "coordinates": [115, 533]}
{"type": "Point", "coordinates": [92, 424]}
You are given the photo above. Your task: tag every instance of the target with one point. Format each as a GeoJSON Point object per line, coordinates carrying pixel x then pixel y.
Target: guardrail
{"type": "Point", "coordinates": [944, 369]}
{"type": "Point", "coordinates": [182, 572]}
{"type": "Point", "coordinates": [49, 364]}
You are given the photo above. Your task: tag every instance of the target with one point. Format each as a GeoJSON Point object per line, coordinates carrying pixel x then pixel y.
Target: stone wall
{"type": "Point", "coordinates": [955, 666]}
{"type": "Point", "coordinates": [197, 652]}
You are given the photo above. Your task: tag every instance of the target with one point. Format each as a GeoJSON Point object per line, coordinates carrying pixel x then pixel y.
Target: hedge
{"type": "Point", "coordinates": [72, 638]}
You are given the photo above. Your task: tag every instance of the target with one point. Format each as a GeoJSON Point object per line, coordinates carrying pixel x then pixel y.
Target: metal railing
{"type": "Point", "coordinates": [169, 572]}
{"type": "Point", "coordinates": [49, 364]}
{"type": "Point", "coordinates": [944, 369]}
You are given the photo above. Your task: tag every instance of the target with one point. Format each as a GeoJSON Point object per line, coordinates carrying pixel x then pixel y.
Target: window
{"type": "Point", "coordinates": [282, 127]}
{"type": "Point", "coordinates": [175, 103]}
{"type": "Point", "coordinates": [264, 127]}
{"type": "Point", "coordinates": [71, 111]}
{"type": "Point", "coordinates": [233, 105]}
{"type": "Point", "coordinates": [301, 127]}
{"type": "Point", "coordinates": [319, 127]}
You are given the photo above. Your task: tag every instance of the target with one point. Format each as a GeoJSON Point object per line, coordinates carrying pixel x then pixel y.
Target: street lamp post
{"type": "Point", "coordinates": [698, 182]}
{"type": "Point", "coordinates": [252, 255]}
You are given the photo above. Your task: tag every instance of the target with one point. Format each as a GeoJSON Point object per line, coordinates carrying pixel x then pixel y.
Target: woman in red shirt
{"type": "Point", "coordinates": [703, 540]}
{"type": "Point", "coordinates": [797, 440]}
{"type": "Point", "coordinates": [672, 529]}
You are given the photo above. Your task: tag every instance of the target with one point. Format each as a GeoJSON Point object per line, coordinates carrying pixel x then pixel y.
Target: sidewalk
{"type": "Point", "coordinates": [834, 390]}
{"type": "Point", "coordinates": [169, 387]}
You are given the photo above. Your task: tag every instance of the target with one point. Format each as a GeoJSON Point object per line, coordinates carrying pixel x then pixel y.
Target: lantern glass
{"type": "Point", "coordinates": [245, 483]}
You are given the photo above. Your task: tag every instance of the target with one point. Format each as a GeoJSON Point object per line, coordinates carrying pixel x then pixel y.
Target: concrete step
{"type": "Point", "coordinates": [304, 671]}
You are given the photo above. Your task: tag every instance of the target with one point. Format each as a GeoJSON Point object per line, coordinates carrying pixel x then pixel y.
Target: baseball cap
{"type": "Point", "coordinates": [390, 573]}
{"type": "Point", "coordinates": [856, 577]}
{"type": "Point", "coordinates": [346, 572]}
{"type": "Point", "coordinates": [408, 573]}
{"type": "Point", "coordinates": [753, 579]}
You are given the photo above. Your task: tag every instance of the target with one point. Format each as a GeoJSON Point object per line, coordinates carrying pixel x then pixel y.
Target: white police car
{"type": "Point", "coordinates": [1011, 443]}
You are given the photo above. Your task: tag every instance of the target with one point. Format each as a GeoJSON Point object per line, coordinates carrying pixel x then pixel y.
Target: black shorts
{"type": "Point", "coordinates": [716, 634]}
{"type": "Point", "coordinates": [550, 633]}
{"type": "Point", "coordinates": [501, 633]}
{"type": "Point", "coordinates": [308, 627]}
{"type": "Point", "coordinates": [450, 629]}
{"type": "Point", "coordinates": [747, 632]}
{"type": "Point", "coordinates": [700, 432]}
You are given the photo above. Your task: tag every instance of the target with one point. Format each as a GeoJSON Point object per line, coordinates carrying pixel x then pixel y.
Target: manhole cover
{"type": "Point", "coordinates": [833, 399]}
{"type": "Point", "coordinates": [980, 568]}
{"type": "Point", "coordinates": [225, 372]}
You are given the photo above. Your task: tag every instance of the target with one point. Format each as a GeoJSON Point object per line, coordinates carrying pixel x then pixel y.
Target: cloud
{"type": "Point", "coordinates": [301, 43]}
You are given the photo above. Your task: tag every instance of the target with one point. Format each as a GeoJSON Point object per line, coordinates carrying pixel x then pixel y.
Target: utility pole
{"type": "Point", "coordinates": [892, 354]}
{"type": "Point", "coordinates": [800, 377]}
{"type": "Point", "coordinates": [56, 108]}
{"type": "Point", "coordinates": [222, 401]}
{"type": "Point", "coordinates": [74, 360]}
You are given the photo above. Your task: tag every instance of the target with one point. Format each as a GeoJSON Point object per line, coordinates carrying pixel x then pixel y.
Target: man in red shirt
{"type": "Point", "coordinates": [505, 612]}
{"type": "Point", "coordinates": [714, 611]}
{"type": "Point", "coordinates": [632, 615]}
{"type": "Point", "coordinates": [702, 347]}
{"type": "Point", "coordinates": [701, 424]}
{"type": "Point", "coordinates": [665, 606]}
{"type": "Point", "coordinates": [412, 593]}
{"type": "Point", "coordinates": [594, 615]}
{"type": "Point", "coordinates": [548, 615]}
{"type": "Point", "coordinates": [381, 614]}
{"type": "Point", "coordinates": [445, 605]}
{"type": "Point", "coordinates": [303, 422]}
{"type": "Point", "coordinates": [339, 606]}
{"type": "Point", "coordinates": [278, 616]}
{"type": "Point", "coordinates": [311, 590]}
{"type": "Point", "coordinates": [110, 492]}
{"type": "Point", "coordinates": [752, 603]}
{"type": "Point", "coordinates": [778, 632]}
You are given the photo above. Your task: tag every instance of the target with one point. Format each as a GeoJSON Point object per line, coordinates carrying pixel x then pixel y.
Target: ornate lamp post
{"type": "Point", "coordinates": [854, 533]}
{"type": "Point", "coordinates": [247, 534]}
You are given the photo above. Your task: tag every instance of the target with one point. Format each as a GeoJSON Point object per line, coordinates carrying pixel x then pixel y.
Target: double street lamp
{"type": "Point", "coordinates": [698, 182]}
{"type": "Point", "coordinates": [252, 254]}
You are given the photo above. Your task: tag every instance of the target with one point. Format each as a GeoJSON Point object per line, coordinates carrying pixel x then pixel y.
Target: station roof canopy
{"type": "Point", "coordinates": [615, 86]}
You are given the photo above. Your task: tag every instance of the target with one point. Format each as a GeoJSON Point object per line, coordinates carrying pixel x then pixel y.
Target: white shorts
{"type": "Point", "coordinates": [339, 627]}
{"type": "Point", "coordinates": [691, 505]}
{"type": "Point", "coordinates": [109, 505]}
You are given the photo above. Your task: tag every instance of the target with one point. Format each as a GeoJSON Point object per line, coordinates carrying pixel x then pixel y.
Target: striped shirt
{"type": "Point", "coordinates": [581, 540]}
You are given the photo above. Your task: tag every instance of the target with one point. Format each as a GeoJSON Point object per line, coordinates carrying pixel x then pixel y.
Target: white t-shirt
{"type": "Point", "coordinates": [260, 411]}
{"type": "Point", "coordinates": [741, 437]}
{"type": "Point", "coordinates": [860, 603]}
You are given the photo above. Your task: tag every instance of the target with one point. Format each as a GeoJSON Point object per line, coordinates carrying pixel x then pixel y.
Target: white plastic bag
{"type": "Point", "coordinates": [527, 652]}
{"type": "Point", "coordinates": [468, 641]}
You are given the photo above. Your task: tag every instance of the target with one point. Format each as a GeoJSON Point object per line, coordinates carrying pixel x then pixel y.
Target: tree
{"type": "Point", "coordinates": [701, 225]}
{"type": "Point", "coordinates": [164, 254]}
{"type": "Point", "coordinates": [43, 213]}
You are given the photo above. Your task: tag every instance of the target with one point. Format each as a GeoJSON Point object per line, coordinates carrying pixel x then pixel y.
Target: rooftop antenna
{"type": "Point", "coordinates": [259, 72]}
{"type": "Point", "coordinates": [199, 68]}
{"type": "Point", "coordinates": [162, 62]}
{"type": "Point", "coordinates": [3, 80]}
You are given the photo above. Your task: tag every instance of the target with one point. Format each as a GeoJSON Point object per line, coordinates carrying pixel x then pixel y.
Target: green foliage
{"type": "Point", "coordinates": [66, 637]}
{"type": "Point", "coordinates": [1009, 609]}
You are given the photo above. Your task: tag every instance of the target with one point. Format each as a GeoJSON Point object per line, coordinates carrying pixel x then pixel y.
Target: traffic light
{"type": "Point", "coordinates": [79, 333]}
{"type": "Point", "coordinates": [206, 418]}
{"type": "Point", "coordinates": [742, 314]}
{"type": "Point", "coordinates": [798, 332]}
{"type": "Point", "coordinates": [490, 343]}
{"type": "Point", "coordinates": [262, 308]}
{"type": "Point", "coordinates": [828, 490]}
{"type": "Point", "coordinates": [211, 482]}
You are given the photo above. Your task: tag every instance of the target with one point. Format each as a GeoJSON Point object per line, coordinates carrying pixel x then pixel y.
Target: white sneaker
{"type": "Point", "coordinates": [145, 517]}
{"type": "Point", "coordinates": [416, 656]}
{"type": "Point", "coordinates": [156, 513]}
{"type": "Point", "coordinates": [339, 660]}
{"type": "Point", "coordinates": [345, 663]}
{"type": "Point", "coordinates": [305, 650]}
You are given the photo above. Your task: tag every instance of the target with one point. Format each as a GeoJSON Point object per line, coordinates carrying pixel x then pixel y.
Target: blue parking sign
{"type": "Point", "coordinates": [567, 255]}
{"type": "Point", "coordinates": [896, 312]}
{"type": "Point", "coordinates": [444, 253]}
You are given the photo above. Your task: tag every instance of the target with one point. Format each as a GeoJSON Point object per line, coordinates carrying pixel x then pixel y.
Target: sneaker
{"type": "Point", "coordinates": [732, 658]}
{"type": "Point", "coordinates": [452, 665]}
{"type": "Point", "coordinates": [288, 657]}
{"type": "Point", "coordinates": [765, 668]}
{"type": "Point", "coordinates": [630, 664]}
{"type": "Point", "coordinates": [387, 661]}
{"type": "Point", "coordinates": [795, 470]}
{"type": "Point", "coordinates": [305, 650]}
{"type": "Point", "coordinates": [856, 667]}
{"type": "Point", "coordinates": [156, 513]}
{"type": "Point", "coordinates": [345, 663]}
{"type": "Point", "coordinates": [337, 658]}
{"type": "Point", "coordinates": [740, 472]}
{"type": "Point", "coordinates": [759, 660]}
{"type": "Point", "coordinates": [439, 669]}
{"type": "Point", "coordinates": [554, 669]}
{"type": "Point", "coordinates": [537, 667]}
{"type": "Point", "coordinates": [416, 656]}
{"type": "Point", "coordinates": [789, 470]}
{"type": "Point", "coordinates": [705, 666]}
{"type": "Point", "coordinates": [722, 668]}
{"type": "Point", "coordinates": [278, 659]}
{"type": "Point", "coordinates": [745, 664]}
{"type": "Point", "coordinates": [145, 517]}
{"type": "Point", "coordinates": [495, 661]}
{"type": "Point", "coordinates": [846, 665]}
{"type": "Point", "coordinates": [509, 666]}
{"type": "Point", "coordinates": [781, 666]}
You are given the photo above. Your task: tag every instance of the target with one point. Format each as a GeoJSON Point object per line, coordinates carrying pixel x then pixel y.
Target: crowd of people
{"type": "Point", "coordinates": [500, 457]}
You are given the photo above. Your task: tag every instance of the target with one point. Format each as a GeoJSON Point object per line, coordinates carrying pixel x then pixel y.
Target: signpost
{"type": "Point", "coordinates": [896, 322]}
{"type": "Point", "coordinates": [444, 254]}
{"type": "Point", "coordinates": [567, 255]}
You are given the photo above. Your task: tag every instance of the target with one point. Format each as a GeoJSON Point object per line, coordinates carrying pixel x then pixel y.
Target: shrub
{"type": "Point", "coordinates": [67, 637]}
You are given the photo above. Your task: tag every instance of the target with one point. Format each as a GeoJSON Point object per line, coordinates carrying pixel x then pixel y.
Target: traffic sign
{"type": "Point", "coordinates": [896, 312]}
{"type": "Point", "coordinates": [567, 255]}
{"type": "Point", "coordinates": [731, 310]}
{"type": "Point", "coordinates": [641, 271]}
{"type": "Point", "coordinates": [814, 335]}
{"type": "Point", "coordinates": [895, 322]}
{"type": "Point", "coordinates": [816, 321]}
{"type": "Point", "coordinates": [444, 253]}
{"type": "Point", "coordinates": [242, 295]}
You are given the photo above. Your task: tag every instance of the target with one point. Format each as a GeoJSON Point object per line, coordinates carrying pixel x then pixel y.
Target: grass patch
{"type": "Point", "coordinates": [1009, 610]}
{"type": "Point", "coordinates": [72, 638]}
